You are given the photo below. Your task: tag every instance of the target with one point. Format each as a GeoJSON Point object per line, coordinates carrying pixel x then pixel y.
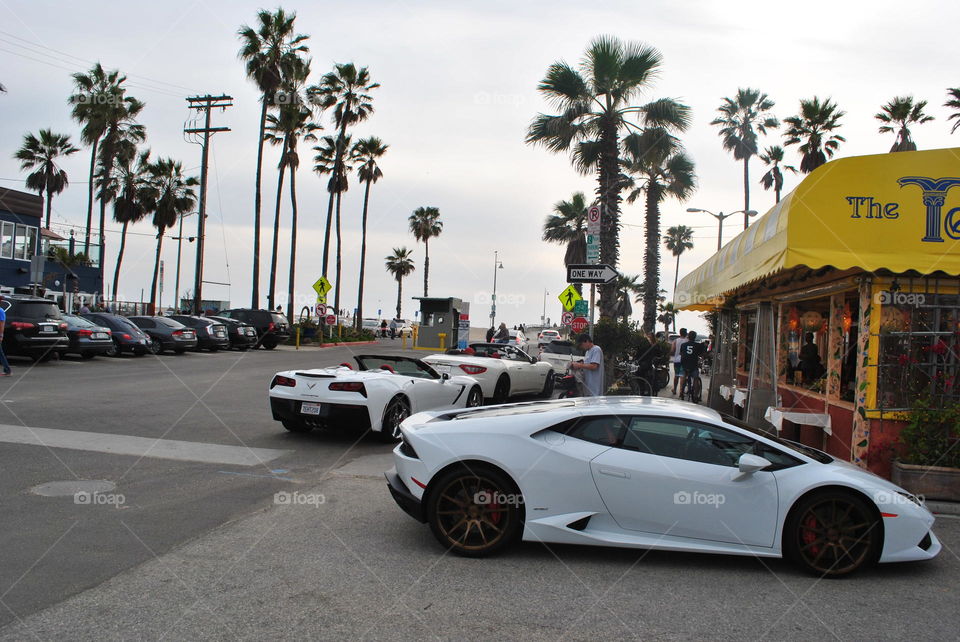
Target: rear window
{"type": "Point", "coordinates": [278, 319]}
{"type": "Point", "coordinates": [79, 321]}
{"type": "Point", "coordinates": [558, 347]}
{"type": "Point", "coordinates": [34, 310]}
{"type": "Point", "coordinates": [170, 323]}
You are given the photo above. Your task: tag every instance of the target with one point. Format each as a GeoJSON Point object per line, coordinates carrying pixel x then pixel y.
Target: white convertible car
{"type": "Point", "coordinates": [377, 395]}
{"type": "Point", "coordinates": [502, 369]}
{"type": "Point", "coordinates": [647, 473]}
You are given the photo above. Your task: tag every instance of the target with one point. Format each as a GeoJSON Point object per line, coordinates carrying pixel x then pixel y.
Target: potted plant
{"type": "Point", "coordinates": [929, 461]}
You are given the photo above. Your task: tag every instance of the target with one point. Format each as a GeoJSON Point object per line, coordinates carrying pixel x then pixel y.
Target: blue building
{"type": "Point", "coordinates": [66, 270]}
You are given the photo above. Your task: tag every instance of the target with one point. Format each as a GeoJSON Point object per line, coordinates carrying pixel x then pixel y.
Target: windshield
{"type": "Point", "coordinates": [562, 347]}
{"type": "Point", "coordinates": [399, 365]}
{"type": "Point", "coordinates": [812, 453]}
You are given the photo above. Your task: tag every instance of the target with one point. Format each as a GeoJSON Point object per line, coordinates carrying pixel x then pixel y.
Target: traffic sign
{"type": "Point", "coordinates": [330, 319]}
{"type": "Point", "coordinates": [569, 297]}
{"type": "Point", "coordinates": [566, 318]}
{"type": "Point", "coordinates": [585, 273]}
{"type": "Point", "coordinates": [579, 324]}
{"type": "Point", "coordinates": [580, 308]}
{"type": "Point", "coordinates": [321, 287]}
{"type": "Point", "coordinates": [320, 309]}
{"type": "Point", "coordinates": [594, 223]}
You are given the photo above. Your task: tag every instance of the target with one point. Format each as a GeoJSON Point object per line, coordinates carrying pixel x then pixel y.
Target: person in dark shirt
{"type": "Point", "coordinates": [810, 364]}
{"type": "Point", "coordinates": [690, 353]}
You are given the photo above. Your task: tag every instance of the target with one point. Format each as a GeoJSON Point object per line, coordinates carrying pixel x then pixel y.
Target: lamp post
{"type": "Point", "coordinates": [497, 265]}
{"type": "Point", "coordinates": [179, 239]}
{"type": "Point", "coordinates": [720, 218]}
{"type": "Point", "coordinates": [543, 317]}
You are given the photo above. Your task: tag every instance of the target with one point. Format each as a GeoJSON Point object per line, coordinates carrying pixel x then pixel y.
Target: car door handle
{"type": "Point", "coordinates": [613, 472]}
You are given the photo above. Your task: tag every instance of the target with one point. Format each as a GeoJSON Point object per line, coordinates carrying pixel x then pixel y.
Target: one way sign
{"type": "Point", "coordinates": [577, 273]}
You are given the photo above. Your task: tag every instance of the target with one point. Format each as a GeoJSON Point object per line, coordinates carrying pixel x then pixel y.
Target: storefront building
{"type": "Point", "coordinates": [840, 308]}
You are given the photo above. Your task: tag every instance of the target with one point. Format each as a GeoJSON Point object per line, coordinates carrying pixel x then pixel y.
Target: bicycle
{"type": "Point", "coordinates": [693, 386]}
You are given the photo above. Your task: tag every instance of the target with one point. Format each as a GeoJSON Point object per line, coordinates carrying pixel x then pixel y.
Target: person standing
{"type": "Point", "coordinates": [592, 366]}
{"type": "Point", "coordinates": [393, 328]}
{"type": "Point", "coordinates": [690, 353]}
{"type": "Point", "coordinates": [502, 335]}
{"type": "Point", "coordinates": [492, 331]}
{"type": "Point", "coordinates": [677, 368]}
{"type": "Point", "coordinates": [3, 326]}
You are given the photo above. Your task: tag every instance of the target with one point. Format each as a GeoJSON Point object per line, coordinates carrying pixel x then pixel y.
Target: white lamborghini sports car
{"type": "Point", "coordinates": [503, 370]}
{"type": "Point", "coordinates": [377, 394]}
{"type": "Point", "coordinates": [647, 473]}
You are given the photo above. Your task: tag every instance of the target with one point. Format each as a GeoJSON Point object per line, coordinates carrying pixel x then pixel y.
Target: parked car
{"type": "Point", "coordinates": [211, 334]}
{"type": "Point", "coordinates": [272, 327]}
{"type": "Point", "coordinates": [167, 334]}
{"type": "Point", "coordinates": [34, 327]}
{"type": "Point", "coordinates": [648, 473]}
{"type": "Point", "coordinates": [518, 339]}
{"type": "Point", "coordinates": [560, 353]}
{"type": "Point", "coordinates": [126, 336]}
{"type": "Point", "coordinates": [546, 336]}
{"type": "Point", "coordinates": [503, 370]}
{"type": "Point", "coordinates": [87, 339]}
{"type": "Point", "coordinates": [241, 335]}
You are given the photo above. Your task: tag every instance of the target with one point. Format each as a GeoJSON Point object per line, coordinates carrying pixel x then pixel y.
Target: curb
{"type": "Point", "coordinates": [944, 508]}
{"type": "Point", "coordinates": [327, 344]}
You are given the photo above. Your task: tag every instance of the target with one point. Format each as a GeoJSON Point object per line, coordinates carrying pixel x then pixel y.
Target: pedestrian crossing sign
{"type": "Point", "coordinates": [569, 297]}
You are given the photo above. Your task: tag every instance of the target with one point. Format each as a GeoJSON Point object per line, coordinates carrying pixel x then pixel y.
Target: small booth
{"type": "Point", "coordinates": [439, 315]}
{"type": "Point", "coordinates": [840, 307]}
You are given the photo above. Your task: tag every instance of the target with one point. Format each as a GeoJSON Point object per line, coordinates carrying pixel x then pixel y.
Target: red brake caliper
{"type": "Point", "coordinates": [494, 517]}
{"type": "Point", "coordinates": [809, 536]}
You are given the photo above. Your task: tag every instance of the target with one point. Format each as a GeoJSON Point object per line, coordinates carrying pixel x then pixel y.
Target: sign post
{"type": "Point", "coordinates": [594, 226]}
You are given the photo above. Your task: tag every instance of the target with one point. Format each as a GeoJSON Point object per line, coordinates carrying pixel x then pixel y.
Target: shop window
{"type": "Point", "coordinates": [20, 243]}
{"type": "Point", "coordinates": [848, 362]}
{"type": "Point", "coordinates": [919, 348]}
{"type": "Point", "coordinates": [6, 240]}
{"type": "Point", "coordinates": [805, 342]}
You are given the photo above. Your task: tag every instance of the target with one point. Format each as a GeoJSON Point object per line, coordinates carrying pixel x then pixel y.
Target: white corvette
{"type": "Point", "coordinates": [378, 395]}
{"type": "Point", "coordinates": [647, 473]}
{"type": "Point", "coordinates": [502, 369]}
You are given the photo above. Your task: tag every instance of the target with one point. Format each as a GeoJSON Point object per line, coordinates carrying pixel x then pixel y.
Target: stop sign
{"type": "Point", "coordinates": [330, 320]}
{"type": "Point", "coordinates": [579, 324]}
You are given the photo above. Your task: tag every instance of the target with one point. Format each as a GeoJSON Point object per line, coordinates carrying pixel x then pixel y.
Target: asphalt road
{"type": "Point", "coordinates": [203, 550]}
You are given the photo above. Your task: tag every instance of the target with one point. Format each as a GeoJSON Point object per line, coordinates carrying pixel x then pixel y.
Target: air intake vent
{"type": "Point", "coordinates": [926, 542]}
{"type": "Point", "coordinates": [580, 524]}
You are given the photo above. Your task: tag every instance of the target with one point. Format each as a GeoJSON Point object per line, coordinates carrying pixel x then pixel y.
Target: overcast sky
{"type": "Point", "coordinates": [458, 91]}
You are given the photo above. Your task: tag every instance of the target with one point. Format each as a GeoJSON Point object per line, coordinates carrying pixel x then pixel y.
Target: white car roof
{"type": "Point", "coordinates": [597, 406]}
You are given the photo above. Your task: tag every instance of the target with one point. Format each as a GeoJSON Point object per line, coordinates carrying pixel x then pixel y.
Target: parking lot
{"type": "Point", "coordinates": [196, 542]}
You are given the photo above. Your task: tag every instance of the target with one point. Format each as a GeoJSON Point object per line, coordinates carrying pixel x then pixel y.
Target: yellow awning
{"type": "Point", "coordinates": [898, 212]}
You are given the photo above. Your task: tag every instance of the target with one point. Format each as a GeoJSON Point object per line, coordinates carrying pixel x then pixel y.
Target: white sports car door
{"type": "Point", "coordinates": [428, 394]}
{"type": "Point", "coordinates": [678, 478]}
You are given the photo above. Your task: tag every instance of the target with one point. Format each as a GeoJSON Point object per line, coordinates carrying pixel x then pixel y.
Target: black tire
{"type": "Point", "coordinates": [641, 387]}
{"type": "Point", "coordinates": [547, 391]}
{"type": "Point", "coordinates": [474, 511]}
{"type": "Point", "coordinates": [214, 348]}
{"type": "Point", "coordinates": [475, 397]}
{"type": "Point", "coordinates": [502, 390]}
{"type": "Point", "coordinates": [697, 390]}
{"type": "Point", "coordinates": [86, 356]}
{"type": "Point", "coordinates": [296, 426]}
{"type": "Point", "coordinates": [832, 534]}
{"type": "Point", "coordinates": [269, 344]}
{"type": "Point", "coordinates": [396, 411]}
{"type": "Point", "coordinates": [155, 346]}
{"type": "Point", "coordinates": [114, 350]}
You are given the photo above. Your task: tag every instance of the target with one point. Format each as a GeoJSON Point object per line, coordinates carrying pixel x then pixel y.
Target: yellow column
{"type": "Point", "coordinates": [860, 440]}
{"type": "Point", "coordinates": [443, 340]}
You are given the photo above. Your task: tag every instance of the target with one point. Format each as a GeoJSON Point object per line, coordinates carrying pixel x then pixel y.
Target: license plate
{"type": "Point", "coordinates": [310, 408]}
{"type": "Point", "coordinates": [187, 335]}
{"type": "Point", "coordinates": [47, 329]}
{"type": "Point", "coordinates": [221, 333]}
{"type": "Point", "coordinates": [99, 335]}
{"type": "Point", "coordinates": [251, 333]}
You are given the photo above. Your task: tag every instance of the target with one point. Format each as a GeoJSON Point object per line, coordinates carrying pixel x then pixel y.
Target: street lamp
{"type": "Point", "coordinates": [497, 265]}
{"type": "Point", "coordinates": [179, 239]}
{"type": "Point", "coordinates": [543, 317]}
{"type": "Point", "coordinates": [720, 218]}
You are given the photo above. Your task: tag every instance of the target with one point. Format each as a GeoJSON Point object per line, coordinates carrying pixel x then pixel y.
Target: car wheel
{"type": "Point", "coordinates": [113, 351]}
{"type": "Point", "coordinates": [475, 398]}
{"type": "Point", "coordinates": [87, 355]}
{"type": "Point", "coordinates": [832, 534]}
{"type": "Point", "coordinates": [155, 346]}
{"type": "Point", "coordinates": [474, 511]}
{"type": "Point", "coordinates": [397, 410]}
{"type": "Point", "coordinates": [214, 348]}
{"type": "Point", "coordinates": [502, 390]}
{"type": "Point", "coordinates": [269, 344]}
{"type": "Point", "coordinates": [296, 426]}
{"type": "Point", "coordinates": [548, 386]}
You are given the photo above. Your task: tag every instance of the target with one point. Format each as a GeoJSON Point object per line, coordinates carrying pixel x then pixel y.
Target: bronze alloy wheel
{"type": "Point", "coordinates": [474, 513]}
{"type": "Point", "coordinates": [834, 534]}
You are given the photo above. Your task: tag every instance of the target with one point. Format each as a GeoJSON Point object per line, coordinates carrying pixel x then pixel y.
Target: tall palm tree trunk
{"type": "Point", "coordinates": [93, 167]}
{"type": "Point", "coordinates": [156, 271]}
{"type": "Point", "coordinates": [651, 257]}
{"type": "Point", "coordinates": [337, 161]}
{"type": "Point", "coordinates": [276, 238]}
{"type": "Point", "coordinates": [116, 270]}
{"type": "Point", "coordinates": [776, 183]}
{"type": "Point", "coordinates": [103, 243]}
{"type": "Point", "coordinates": [336, 283]}
{"type": "Point", "coordinates": [49, 200]}
{"type": "Point", "coordinates": [399, 295]}
{"type": "Point", "coordinates": [609, 194]}
{"type": "Point", "coordinates": [746, 192]}
{"type": "Point", "coordinates": [293, 246]}
{"type": "Point", "coordinates": [326, 234]}
{"type": "Point", "coordinates": [255, 290]}
{"type": "Point", "coordinates": [363, 256]}
{"type": "Point", "coordinates": [426, 264]}
{"type": "Point", "coordinates": [676, 277]}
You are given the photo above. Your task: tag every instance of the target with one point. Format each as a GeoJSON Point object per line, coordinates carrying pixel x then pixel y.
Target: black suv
{"type": "Point", "coordinates": [272, 328]}
{"type": "Point", "coordinates": [34, 328]}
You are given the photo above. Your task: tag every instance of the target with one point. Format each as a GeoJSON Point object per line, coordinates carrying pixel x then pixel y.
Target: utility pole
{"type": "Point", "coordinates": [204, 104]}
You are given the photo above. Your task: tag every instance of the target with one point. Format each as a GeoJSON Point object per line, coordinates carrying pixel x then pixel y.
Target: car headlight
{"type": "Point", "coordinates": [913, 498]}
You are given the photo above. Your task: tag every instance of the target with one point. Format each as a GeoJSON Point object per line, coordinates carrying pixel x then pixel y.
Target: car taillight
{"type": "Point", "coordinates": [85, 333]}
{"type": "Point", "coordinates": [177, 333]}
{"type": "Point", "coordinates": [349, 386]}
{"type": "Point", "coordinates": [472, 370]}
{"type": "Point", "coordinates": [20, 325]}
{"type": "Point", "coordinates": [63, 326]}
{"type": "Point", "coordinates": [280, 380]}
{"type": "Point", "coordinates": [126, 336]}
{"type": "Point", "coordinates": [271, 326]}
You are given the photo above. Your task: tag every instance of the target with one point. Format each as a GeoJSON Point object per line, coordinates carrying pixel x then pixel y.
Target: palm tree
{"type": "Point", "coordinates": [567, 226]}
{"type": "Point", "coordinates": [41, 153]}
{"type": "Point", "coordinates": [99, 100]}
{"type": "Point", "coordinates": [954, 104]}
{"type": "Point", "coordinates": [365, 153]}
{"type": "Point", "coordinates": [772, 157]}
{"type": "Point", "coordinates": [425, 224]}
{"type": "Point", "coordinates": [897, 116]}
{"type": "Point", "coordinates": [594, 104]}
{"type": "Point", "coordinates": [285, 128]}
{"type": "Point", "coordinates": [345, 89]}
{"type": "Point", "coordinates": [668, 315]}
{"type": "Point", "coordinates": [399, 264]}
{"type": "Point", "coordinates": [171, 196]}
{"type": "Point", "coordinates": [132, 200]}
{"type": "Point", "coordinates": [678, 240]}
{"type": "Point", "coordinates": [325, 162]}
{"type": "Point", "coordinates": [268, 52]}
{"type": "Point", "coordinates": [741, 119]}
{"type": "Point", "coordinates": [626, 286]}
{"type": "Point", "coordinates": [813, 130]}
{"type": "Point", "coordinates": [658, 168]}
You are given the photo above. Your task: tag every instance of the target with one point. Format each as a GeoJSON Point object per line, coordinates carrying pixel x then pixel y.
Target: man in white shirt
{"type": "Point", "coordinates": [677, 368]}
{"type": "Point", "coordinates": [592, 366]}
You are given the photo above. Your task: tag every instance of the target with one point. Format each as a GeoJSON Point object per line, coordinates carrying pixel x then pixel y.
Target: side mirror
{"type": "Point", "coordinates": [752, 463]}
{"type": "Point", "coordinates": [446, 375]}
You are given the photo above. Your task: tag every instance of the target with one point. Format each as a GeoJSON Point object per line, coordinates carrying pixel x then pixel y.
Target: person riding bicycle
{"type": "Point", "coordinates": [690, 353]}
